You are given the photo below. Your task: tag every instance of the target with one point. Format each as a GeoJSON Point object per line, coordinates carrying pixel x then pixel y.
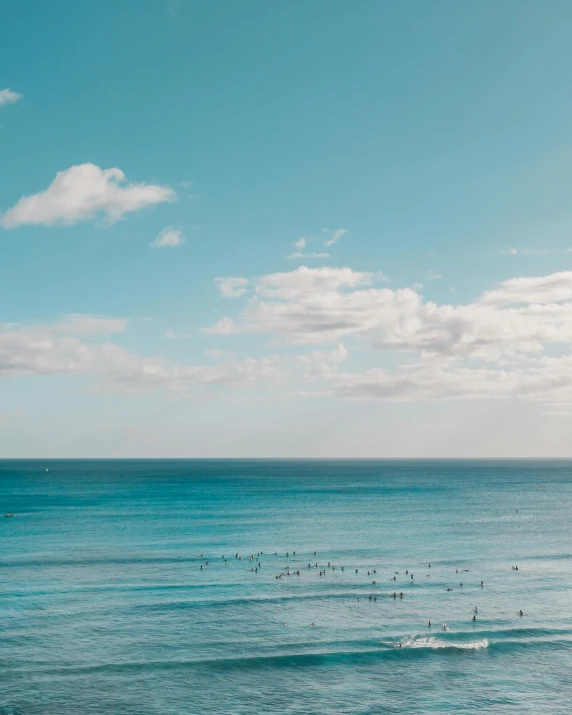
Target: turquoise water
{"type": "Point", "coordinates": [105, 609]}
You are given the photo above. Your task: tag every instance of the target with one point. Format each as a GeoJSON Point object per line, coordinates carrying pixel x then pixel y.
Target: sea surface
{"type": "Point", "coordinates": [104, 607]}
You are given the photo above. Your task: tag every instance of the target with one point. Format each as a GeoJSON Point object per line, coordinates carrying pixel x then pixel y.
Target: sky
{"type": "Point", "coordinates": [302, 229]}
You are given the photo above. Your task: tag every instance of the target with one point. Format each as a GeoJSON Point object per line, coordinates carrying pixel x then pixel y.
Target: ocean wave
{"type": "Point", "coordinates": [433, 643]}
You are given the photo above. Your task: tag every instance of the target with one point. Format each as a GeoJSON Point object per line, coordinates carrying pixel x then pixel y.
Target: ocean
{"type": "Point", "coordinates": [105, 607]}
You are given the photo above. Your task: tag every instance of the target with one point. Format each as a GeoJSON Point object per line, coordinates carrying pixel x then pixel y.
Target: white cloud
{"type": "Point", "coordinates": [169, 237]}
{"type": "Point", "coordinates": [301, 243]}
{"type": "Point", "coordinates": [514, 341]}
{"type": "Point", "coordinates": [225, 326]}
{"type": "Point", "coordinates": [306, 280]}
{"type": "Point", "coordinates": [8, 96]}
{"type": "Point", "coordinates": [63, 348]}
{"type": "Point", "coordinates": [322, 305]}
{"type": "Point", "coordinates": [335, 236]}
{"type": "Point", "coordinates": [554, 288]}
{"type": "Point", "coordinates": [82, 193]}
{"type": "Point", "coordinates": [232, 287]}
{"type": "Point", "coordinates": [172, 335]}
{"type": "Point", "coordinates": [524, 251]}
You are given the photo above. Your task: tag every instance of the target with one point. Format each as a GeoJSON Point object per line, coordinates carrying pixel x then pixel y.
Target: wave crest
{"type": "Point", "coordinates": [433, 642]}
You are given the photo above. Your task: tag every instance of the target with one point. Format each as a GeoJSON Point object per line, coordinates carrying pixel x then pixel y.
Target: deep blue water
{"type": "Point", "coordinates": [104, 608]}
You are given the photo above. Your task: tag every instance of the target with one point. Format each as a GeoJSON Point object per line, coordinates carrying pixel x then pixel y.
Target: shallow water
{"type": "Point", "coordinates": [105, 608]}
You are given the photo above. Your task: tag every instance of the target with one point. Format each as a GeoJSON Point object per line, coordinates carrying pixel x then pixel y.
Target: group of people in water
{"type": "Point", "coordinates": [322, 570]}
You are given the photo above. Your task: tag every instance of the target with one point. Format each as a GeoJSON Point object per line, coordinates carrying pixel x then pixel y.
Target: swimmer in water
{"type": "Point", "coordinates": [474, 618]}
{"type": "Point", "coordinates": [445, 627]}
{"type": "Point", "coordinates": [429, 624]}
{"type": "Point", "coordinates": [520, 613]}
{"type": "Point", "coordinates": [401, 594]}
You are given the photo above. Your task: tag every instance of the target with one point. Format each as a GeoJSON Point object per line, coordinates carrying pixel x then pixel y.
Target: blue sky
{"type": "Point", "coordinates": [161, 161]}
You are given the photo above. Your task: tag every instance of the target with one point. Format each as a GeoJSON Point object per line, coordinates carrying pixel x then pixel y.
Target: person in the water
{"type": "Point", "coordinates": [474, 618]}
{"type": "Point", "coordinates": [429, 624]}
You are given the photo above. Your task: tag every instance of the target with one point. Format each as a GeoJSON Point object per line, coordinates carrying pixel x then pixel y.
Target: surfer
{"type": "Point", "coordinates": [429, 624]}
{"type": "Point", "coordinates": [520, 613]}
{"type": "Point", "coordinates": [474, 618]}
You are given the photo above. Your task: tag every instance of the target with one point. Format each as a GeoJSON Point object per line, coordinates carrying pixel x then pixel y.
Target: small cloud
{"type": "Point", "coordinates": [524, 251]}
{"type": "Point", "coordinates": [335, 236]}
{"type": "Point", "coordinates": [225, 326]}
{"type": "Point", "coordinates": [147, 320]}
{"type": "Point", "coordinates": [299, 254]}
{"type": "Point", "coordinates": [8, 96]}
{"type": "Point", "coordinates": [432, 276]}
{"type": "Point", "coordinates": [232, 287]}
{"type": "Point", "coordinates": [169, 237]}
{"type": "Point", "coordinates": [417, 286]}
{"type": "Point", "coordinates": [301, 243]}
{"type": "Point", "coordinates": [172, 335]}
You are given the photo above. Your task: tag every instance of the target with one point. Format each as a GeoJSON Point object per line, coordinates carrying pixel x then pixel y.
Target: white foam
{"type": "Point", "coordinates": [433, 642]}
